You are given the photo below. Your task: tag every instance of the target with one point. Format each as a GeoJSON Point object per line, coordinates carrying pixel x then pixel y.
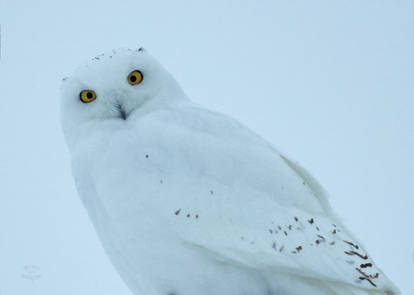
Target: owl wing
{"type": "Point", "coordinates": [283, 237]}
{"type": "Point", "coordinates": [295, 242]}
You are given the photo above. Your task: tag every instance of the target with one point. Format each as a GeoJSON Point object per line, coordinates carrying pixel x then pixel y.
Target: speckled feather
{"type": "Point", "coordinates": [188, 201]}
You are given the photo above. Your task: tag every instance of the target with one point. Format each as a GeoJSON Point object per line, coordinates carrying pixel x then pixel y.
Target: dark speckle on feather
{"type": "Point", "coordinates": [365, 257]}
{"type": "Point", "coordinates": [375, 276]}
{"type": "Point", "coordinates": [366, 265]}
{"type": "Point", "coordinates": [351, 244]}
{"type": "Point", "coordinates": [369, 280]}
{"type": "Point", "coordinates": [321, 237]}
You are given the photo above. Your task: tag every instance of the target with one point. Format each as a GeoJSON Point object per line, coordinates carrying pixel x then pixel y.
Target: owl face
{"type": "Point", "coordinates": [113, 87]}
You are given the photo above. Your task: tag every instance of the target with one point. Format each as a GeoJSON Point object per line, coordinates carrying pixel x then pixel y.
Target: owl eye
{"type": "Point", "coordinates": [87, 96]}
{"type": "Point", "coordinates": [135, 77]}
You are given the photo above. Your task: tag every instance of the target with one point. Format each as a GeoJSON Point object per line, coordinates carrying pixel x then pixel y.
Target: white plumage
{"type": "Point", "coordinates": [188, 201]}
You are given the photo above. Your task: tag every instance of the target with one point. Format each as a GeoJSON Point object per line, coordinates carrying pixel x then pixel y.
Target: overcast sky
{"type": "Point", "coordinates": [328, 82]}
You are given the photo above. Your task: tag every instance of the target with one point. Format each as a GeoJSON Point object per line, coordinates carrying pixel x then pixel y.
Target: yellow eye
{"type": "Point", "coordinates": [135, 77]}
{"type": "Point", "coordinates": [87, 96]}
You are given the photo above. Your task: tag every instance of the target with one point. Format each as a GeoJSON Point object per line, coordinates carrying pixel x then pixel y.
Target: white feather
{"type": "Point", "coordinates": [188, 201]}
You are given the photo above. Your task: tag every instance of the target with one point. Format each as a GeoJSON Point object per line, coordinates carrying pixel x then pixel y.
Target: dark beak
{"type": "Point", "coordinates": [122, 112]}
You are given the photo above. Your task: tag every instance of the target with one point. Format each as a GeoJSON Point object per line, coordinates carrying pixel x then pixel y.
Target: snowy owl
{"type": "Point", "coordinates": [188, 201]}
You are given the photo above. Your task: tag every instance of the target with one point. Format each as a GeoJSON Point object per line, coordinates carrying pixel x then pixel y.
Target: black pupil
{"type": "Point", "coordinates": [133, 78]}
{"type": "Point", "coordinates": [89, 95]}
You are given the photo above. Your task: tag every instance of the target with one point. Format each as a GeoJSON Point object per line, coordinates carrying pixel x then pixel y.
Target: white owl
{"type": "Point", "coordinates": [187, 201]}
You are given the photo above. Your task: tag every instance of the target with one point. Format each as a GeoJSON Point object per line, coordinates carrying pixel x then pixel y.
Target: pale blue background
{"type": "Point", "coordinates": [330, 82]}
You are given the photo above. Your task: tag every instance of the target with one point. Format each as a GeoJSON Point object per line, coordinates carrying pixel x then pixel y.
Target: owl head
{"type": "Point", "coordinates": [115, 87]}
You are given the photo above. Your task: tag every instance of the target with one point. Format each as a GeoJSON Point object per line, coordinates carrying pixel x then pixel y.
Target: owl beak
{"type": "Point", "coordinates": [122, 112]}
